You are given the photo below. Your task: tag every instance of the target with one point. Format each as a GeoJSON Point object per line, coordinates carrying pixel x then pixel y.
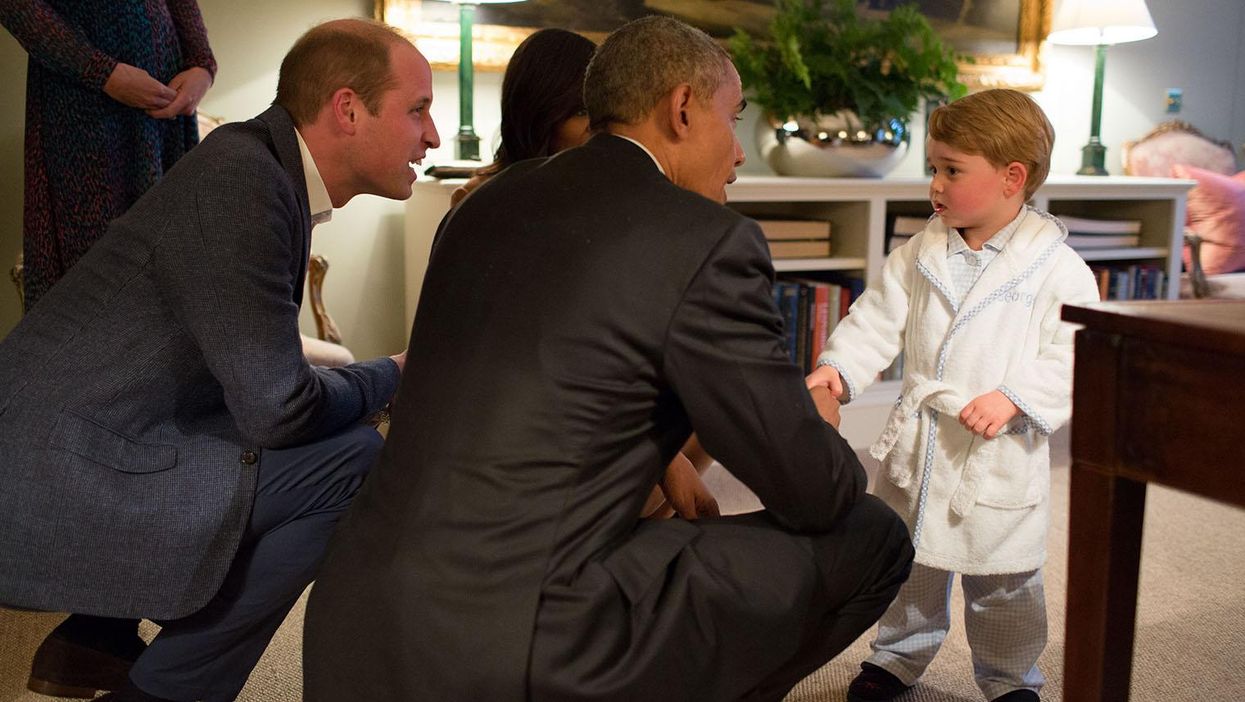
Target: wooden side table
{"type": "Point", "coordinates": [1159, 396]}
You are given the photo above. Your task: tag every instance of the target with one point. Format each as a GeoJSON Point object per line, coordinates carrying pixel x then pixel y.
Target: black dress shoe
{"type": "Point", "coordinates": [1019, 696]}
{"type": "Point", "coordinates": [85, 654]}
{"type": "Point", "coordinates": [873, 684]}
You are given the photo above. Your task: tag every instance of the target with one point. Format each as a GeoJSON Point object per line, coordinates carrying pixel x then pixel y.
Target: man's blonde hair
{"type": "Point", "coordinates": [349, 53]}
{"type": "Point", "coordinates": [1001, 126]}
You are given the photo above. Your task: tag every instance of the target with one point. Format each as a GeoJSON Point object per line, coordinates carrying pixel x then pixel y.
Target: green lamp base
{"type": "Point", "coordinates": [468, 144]}
{"type": "Point", "coordinates": [1093, 159]}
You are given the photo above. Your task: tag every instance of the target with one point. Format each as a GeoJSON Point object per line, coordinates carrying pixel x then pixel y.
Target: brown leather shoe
{"type": "Point", "coordinates": [85, 654]}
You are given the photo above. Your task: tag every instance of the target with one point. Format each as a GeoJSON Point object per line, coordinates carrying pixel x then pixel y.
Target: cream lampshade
{"type": "Point", "coordinates": [1099, 23]}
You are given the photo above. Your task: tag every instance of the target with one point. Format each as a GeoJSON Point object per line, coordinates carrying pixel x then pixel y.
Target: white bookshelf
{"type": "Point", "coordinates": [858, 209]}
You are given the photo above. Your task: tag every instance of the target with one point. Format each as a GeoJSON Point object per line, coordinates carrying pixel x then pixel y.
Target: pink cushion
{"type": "Point", "coordinates": [1216, 212]}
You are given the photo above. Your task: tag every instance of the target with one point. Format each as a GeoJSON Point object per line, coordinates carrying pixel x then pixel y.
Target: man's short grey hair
{"type": "Point", "coordinates": [642, 61]}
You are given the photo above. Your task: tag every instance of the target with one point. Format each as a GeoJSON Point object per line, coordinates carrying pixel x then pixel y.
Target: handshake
{"type": "Point", "coordinates": [986, 415]}
{"type": "Point", "coordinates": [826, 388]}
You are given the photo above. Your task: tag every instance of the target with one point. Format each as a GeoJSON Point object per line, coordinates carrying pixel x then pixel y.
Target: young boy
{"type": "Point", "coordinates": [973, 302]}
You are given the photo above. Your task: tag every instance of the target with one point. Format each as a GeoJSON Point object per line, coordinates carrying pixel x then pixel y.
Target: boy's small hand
{"type": "Point", "coordinates": [988, 414]}
{"type": "Point", "coordinates": [826, 377]}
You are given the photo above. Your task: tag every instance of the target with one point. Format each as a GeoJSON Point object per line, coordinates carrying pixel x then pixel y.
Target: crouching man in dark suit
{"type": "Point", "coordinates": [580, 315]}
{"type": "Point", "coordinates": [165, 449]}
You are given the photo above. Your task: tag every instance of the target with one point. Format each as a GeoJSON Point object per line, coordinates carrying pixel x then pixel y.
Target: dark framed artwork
{"type": "Point", "coordinates": [1003, 37]}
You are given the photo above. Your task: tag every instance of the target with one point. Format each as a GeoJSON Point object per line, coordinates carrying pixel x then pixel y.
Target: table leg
{"type": "Point", "coordinates": [1104, 552]}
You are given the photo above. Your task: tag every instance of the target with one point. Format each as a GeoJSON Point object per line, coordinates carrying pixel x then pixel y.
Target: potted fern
{"type": "Point", "coordinates": [838, 89]}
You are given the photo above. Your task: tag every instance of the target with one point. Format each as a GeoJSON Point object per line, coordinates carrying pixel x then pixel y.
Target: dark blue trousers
{"type": "Point", "coordinates": [301, 494]}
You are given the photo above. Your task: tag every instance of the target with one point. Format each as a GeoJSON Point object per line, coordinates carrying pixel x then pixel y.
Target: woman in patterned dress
{"type": "Point", "coordinates": [111, 91]}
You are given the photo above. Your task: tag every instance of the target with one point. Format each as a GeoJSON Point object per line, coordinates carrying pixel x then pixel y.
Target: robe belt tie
{"type": "Point", "coordinates": [940, 397]}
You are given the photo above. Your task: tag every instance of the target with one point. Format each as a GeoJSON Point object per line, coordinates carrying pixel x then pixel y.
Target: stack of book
{"type": "Point", "coordinates": [1137, 281]}
{"type": "Point", "coordinates": [901, 229]}
{"type": "Point", "coordinates": [796, 238]}
{"type": "Point", "coordinates": [1086, 234]}
{"type": "Point", "coordinates": [811, 309]}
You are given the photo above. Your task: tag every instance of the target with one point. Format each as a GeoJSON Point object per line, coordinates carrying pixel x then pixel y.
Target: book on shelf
{"type": "Point", "coordinates": [787, 296]}
{"type": "Point", "coordinates": [908, 225]}
{"type": "Point", "coordinates": [802, 326]}
{"type": "Point", "coordinates": [1084, 225]}
{"type": "Point", "coordinates": [1102, 241]}
{"type": "Point", "coordinates": [810, 309]}
{"type": "Point", "coordinates": [853, 287]}
{"type": "Point", "coordinates": [1138, 281]}
{"type": "Point", "coordinates": [781, 229]}
{"type": "Point", "coordinates": [796, 238]}
{"type": "Point", "coordinates": [902, 228]}
{"type": "Point", "coordinates": [821, 319]}
{"type": "Point", "coordinates": [894, 241]}
{"type": "Point", "coordinates": [799, 248]}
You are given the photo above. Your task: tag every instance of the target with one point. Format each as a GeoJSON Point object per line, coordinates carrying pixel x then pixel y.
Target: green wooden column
{"type": "Point", "coordinates": [1094, 154]}
{"type": "Point", "coordinates": [468, 141]}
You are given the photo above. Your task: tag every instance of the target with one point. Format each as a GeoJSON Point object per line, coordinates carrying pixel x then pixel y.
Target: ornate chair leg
{"type": "Point", "coordinates": [326, 329]}
{"type": "Point", "coordinates": [1197, 277]}
{"type": "Point", "coordinates": [17, 274]}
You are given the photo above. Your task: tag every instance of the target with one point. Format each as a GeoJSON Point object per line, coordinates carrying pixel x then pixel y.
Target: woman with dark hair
{"type": "Point", "coordinates": [542, 102]}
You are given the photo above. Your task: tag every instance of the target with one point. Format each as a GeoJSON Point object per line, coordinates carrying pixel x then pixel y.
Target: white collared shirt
{"type": "Point", "coordinates": [317, 194]}
{"type": "Point", "coordinates": [966, 265]}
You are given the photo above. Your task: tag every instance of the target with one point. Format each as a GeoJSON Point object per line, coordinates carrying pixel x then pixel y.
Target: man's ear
{"type": "Point", "coordinates": [345, 106]}
{"type": "Point", "coordinates": [679, 110]}
{"type": "Point", "coordinates": [1014, 178]}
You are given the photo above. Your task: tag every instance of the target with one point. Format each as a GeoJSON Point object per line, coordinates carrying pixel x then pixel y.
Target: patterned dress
{"type": "Point", "coordinates": [89, 157]}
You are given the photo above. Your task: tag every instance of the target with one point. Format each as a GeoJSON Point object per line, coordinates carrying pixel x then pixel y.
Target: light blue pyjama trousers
{"type": "Point", "coordinates": [1004, 619]}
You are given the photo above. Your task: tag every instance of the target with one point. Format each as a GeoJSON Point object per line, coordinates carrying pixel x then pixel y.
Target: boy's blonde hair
{"type": "Point", "coordinates": [1000, 125]}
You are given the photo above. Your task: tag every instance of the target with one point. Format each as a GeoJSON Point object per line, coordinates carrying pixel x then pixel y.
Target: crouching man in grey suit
{"type": "Point", "coordinates": [580, 315]}
{"type": "Point", "coordinates": [165, 450]}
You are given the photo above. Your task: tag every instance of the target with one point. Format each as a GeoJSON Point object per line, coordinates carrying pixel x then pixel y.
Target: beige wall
{"type": "Point", "coordinates": [12, 121]}
{"type": "Point", "coordinates": [1198, 49]}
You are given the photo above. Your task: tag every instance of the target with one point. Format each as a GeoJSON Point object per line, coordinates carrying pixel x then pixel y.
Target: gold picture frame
{"type": "Point", "coordinates": [1023, 70]}
{"type": "Point", "coordinates": [493, 44]}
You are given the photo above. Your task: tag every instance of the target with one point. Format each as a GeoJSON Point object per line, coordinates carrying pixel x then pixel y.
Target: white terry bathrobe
{"type": "Point", "coordinates": [974, 506]}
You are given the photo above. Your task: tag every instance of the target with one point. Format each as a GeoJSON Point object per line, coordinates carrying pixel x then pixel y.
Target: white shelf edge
{"type": "Point", "coordinates": [818, 264]}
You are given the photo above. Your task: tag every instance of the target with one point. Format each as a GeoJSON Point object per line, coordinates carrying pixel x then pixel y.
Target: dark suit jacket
{"type": "Point", "coordinates": [578, 317]}
{"type": "Point", "coordinates": [137, 397]}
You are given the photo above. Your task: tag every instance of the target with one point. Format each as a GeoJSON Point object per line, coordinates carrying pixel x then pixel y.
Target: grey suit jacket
{"type": "Point", "coordinates": [579, 315]}
{"type": "Point", "coordinates": [138, 396]}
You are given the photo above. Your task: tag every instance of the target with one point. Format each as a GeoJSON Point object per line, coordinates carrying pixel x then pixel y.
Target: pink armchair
{"type": "Point", "coordinates": [1215, 213]}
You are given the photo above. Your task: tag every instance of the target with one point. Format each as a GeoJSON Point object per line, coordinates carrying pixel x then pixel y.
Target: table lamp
{"type": "Point", "coordinates": [1099, 23]}
{"type": "Point", "coordinates": [467, 143]}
